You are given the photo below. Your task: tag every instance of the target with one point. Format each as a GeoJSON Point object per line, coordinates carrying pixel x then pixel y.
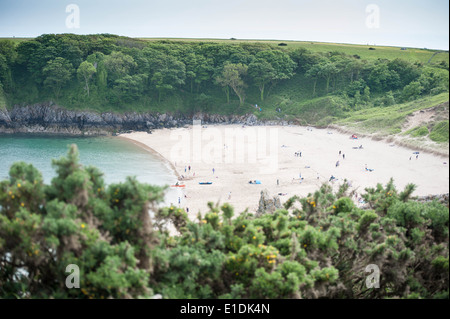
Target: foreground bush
{"type": "Point", "coordinates": [316, 247]}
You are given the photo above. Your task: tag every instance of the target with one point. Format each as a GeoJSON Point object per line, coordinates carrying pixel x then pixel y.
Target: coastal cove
{"type": "Point", "coordinates": [202, 169]}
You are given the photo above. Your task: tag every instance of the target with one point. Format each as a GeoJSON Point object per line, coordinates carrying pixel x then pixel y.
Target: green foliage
{"type": "Point", "coordinates": [85, 72]}
{"type": "Point", "coordinates": [44, 228]}
{"type": "Point", "coordinates": [57, 73]}
{"type": "Point", "coordinates": [418, 131]}
{"type": "Point", "coordinates": [440, 132]}
{"type": "Point", "coordinates": [412, 91]}
{"type": "Point", "coordinates": [232, 77]}
{"type": "Point", "coordinates": [118, 65]}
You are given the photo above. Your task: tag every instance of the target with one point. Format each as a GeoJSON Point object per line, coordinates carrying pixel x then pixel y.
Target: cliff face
{"type": "Point", "coordinates": [52, 119]}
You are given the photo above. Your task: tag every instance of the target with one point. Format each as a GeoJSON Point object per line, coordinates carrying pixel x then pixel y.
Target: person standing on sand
{"type": "Point", "coordinates": [337, 163]}
{"type": "Point", "coordinates": [343, 156]}
{"type": "Point", "coordinates": [189, 168]}
{"type": "Point", "coordinates": [213, 170]}
{"type": "Point", "coordinates": [339, 152]}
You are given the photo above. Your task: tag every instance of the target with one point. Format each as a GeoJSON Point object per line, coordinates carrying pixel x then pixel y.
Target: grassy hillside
{"type": "Point", "coordinates": [422, 124]}
{"type": "Point", "coordinates": [389, 120]}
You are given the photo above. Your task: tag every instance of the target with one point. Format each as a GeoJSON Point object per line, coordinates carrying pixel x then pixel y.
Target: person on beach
{"type": "Point", "coordinates": [317, 176]}
{"type": "Point", "coordinates": [229, 195]}
{"type": "Point", "coordinates": [337, 163]}
{"type": "Point", "coordinates": [343, 156]}
{"type": "Point", "coordinates": [339, 152]}
{"type": "Point", "coordinates": [185, 169]}
{"type": "Point", "coordinates": [213, 170]}
{"type": "Point", "coordinates": [189, 168]}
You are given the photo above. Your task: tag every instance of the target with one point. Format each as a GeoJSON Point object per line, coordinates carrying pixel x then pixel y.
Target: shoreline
{"type": "Point", "coordinates": [154, 152]}
{"type": "Point", "coordinates": [320, 151]}
{"type": "Point", "coordinates": [170, 166]}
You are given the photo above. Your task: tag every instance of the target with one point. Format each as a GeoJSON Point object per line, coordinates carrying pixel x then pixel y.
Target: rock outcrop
{"type": "Point", "coordinates": [50, 118]}
{"type": "Point", "coordinates": [268, 204]}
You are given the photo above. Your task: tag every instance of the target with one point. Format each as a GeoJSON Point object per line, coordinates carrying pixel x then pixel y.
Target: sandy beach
{"type": "Point", "coordinates": [229, 156]}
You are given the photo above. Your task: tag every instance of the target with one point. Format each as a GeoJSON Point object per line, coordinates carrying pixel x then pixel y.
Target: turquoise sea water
{"type": "Point", "coordinates": [115, 157]}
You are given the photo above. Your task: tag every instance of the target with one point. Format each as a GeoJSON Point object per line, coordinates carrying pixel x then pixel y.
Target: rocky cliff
{"type": "Point", "coordinates": [51, 119]}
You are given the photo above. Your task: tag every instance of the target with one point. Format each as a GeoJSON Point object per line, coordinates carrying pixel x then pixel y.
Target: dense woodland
{"type": "Point", "coordinates": [108, 72]}
{"type": "Point", "coordinates": [317, 246]}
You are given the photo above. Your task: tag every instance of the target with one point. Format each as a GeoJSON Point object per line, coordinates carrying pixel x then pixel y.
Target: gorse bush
{"type": "Point", "coordinates": [315, 247]}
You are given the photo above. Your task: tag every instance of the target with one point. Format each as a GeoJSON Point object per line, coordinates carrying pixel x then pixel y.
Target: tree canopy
{"type": "Point", "coordinates": [132, 73]}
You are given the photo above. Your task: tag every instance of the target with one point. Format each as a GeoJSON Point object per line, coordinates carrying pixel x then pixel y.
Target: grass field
{"type": "Point", "coordinates": [17, 40]}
